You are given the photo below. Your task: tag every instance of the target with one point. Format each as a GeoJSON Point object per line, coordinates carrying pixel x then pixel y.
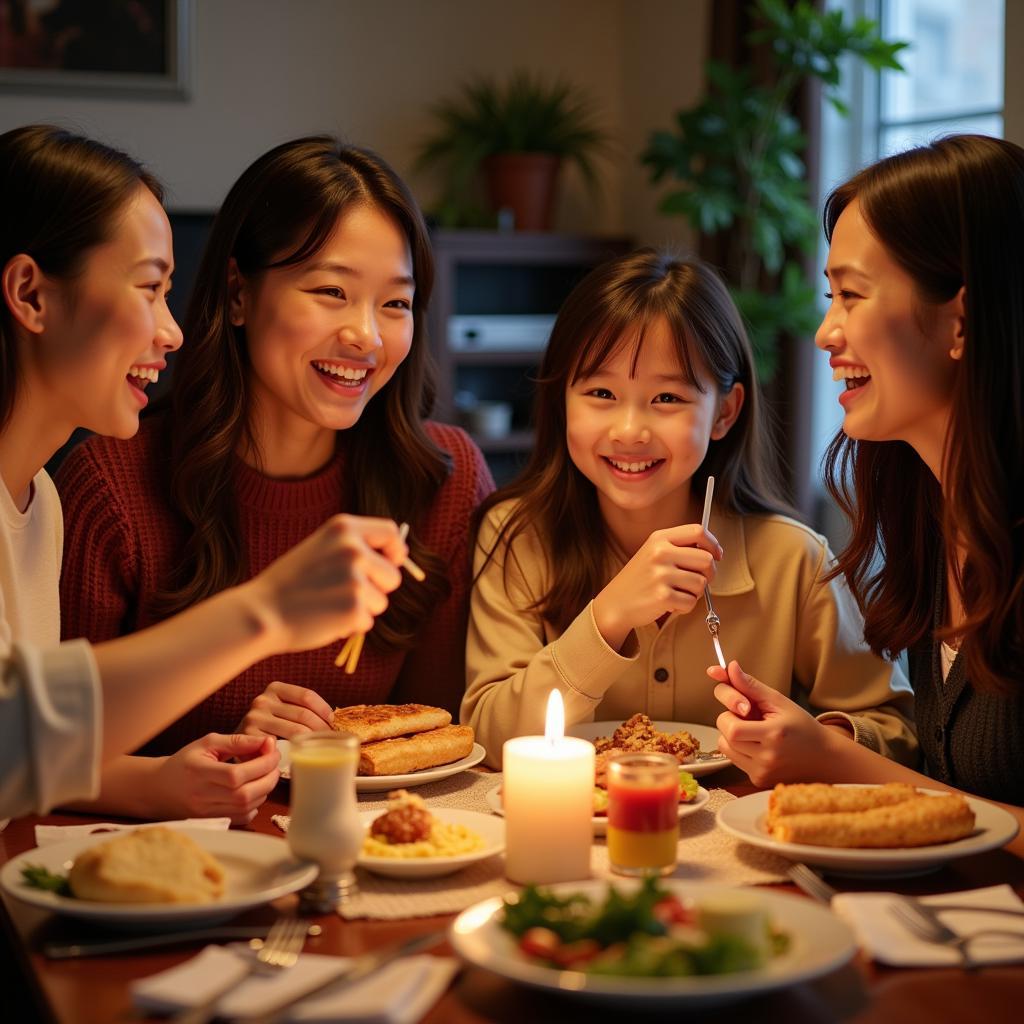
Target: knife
{"type": "Point", "coordinates": [362, 967]}
{"type": "Point", "coordinates": [101, 947]}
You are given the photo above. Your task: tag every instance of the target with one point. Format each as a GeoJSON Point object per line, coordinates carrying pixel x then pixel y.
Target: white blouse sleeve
{"type": "Point", "coordinates": [50, 727]}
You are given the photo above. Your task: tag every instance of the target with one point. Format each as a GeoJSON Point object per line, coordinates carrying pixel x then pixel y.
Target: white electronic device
{"type": "Point", "coordinates": [499, 333]}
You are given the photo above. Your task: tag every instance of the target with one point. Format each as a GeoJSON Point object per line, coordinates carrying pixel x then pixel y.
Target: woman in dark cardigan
{"type": "Point", "coordinates": [926, 328]}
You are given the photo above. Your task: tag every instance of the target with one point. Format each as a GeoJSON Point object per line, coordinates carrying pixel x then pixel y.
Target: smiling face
{"type": "Point", "coordinates": [896, 352]}
{"type": "Point", "coordinates": [327, 335]}
{"type": "Point", "coordinates": [112, 330]}
{"type": "Point", "coordinates": [639, 439]}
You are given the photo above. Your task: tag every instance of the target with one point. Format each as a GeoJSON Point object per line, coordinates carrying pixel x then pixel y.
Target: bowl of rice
{"type": "Point", "coordinates": [411, 841]}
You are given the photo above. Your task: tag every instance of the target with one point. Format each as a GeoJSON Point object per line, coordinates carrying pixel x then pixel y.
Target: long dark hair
{"type": "Point", "coordinates": [611, 307]}
{"type": "Point", "coordinates": [279, 213]}
{"type": "Point", "coordinates": [951, 214]}
{"type": "Point", "coordinates": [60, 196]}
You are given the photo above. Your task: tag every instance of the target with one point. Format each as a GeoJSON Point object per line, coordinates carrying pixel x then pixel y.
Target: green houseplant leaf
{"type": "Point", "coordinates": [734, 161]}
{"type": "Point", "coordinates": [523, 114]}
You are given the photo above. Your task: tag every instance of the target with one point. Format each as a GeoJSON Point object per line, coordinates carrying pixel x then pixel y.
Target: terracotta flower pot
{"type": "Point", "coordinates": [525, 183]}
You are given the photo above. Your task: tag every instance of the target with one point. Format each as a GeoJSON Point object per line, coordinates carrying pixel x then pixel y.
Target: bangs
{"type": "Point", "coordinates": [613, 335]}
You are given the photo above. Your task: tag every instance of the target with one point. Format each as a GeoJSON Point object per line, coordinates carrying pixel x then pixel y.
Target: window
{"type": "Point", "coordinates": [953, 82]}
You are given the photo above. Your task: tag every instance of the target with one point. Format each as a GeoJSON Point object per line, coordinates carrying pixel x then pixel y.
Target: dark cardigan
{"type": "Point", "coordinates": [971, 740]}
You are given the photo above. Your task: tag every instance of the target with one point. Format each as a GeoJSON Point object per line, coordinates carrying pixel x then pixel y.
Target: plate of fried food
{"type": "Point", "coordinates": [657, 943]}
{"type": "Point", "coordinates": [156, 877]}
{"type": "Point", "coordinates": [410, 840]}
{"type": "Point", "coordinates": [695, 746]}
{"type": "Point", "coordinates": [891, 829]}
{"type": "Point", "coordinates": [402, 745]}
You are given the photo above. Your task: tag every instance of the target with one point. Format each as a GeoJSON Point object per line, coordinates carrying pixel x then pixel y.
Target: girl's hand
{"type": "Point", "coordinates": [765, 733]}
{"type": "Point", "coordinates": [286, 710]}
{"type": "Point", "coordinates": [199, 782]}
{"type": "Point", "coordinates": [668, 574]}
{"type": "Point", "coordinates": [332, 584]}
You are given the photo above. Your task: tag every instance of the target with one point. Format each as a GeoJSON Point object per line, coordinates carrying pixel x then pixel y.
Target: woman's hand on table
{"type": "Point", "coordinates": [330, 585]}
{"type": "Point", "coordinates": [200, 780]}
{"type": "Point", "coordinates": [765, 733]}
{"type": "Point", "coordinates": [286, 710]}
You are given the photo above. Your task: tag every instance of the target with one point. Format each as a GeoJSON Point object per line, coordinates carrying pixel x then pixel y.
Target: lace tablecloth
{"type": "Point", "coordinates": [706, 854]}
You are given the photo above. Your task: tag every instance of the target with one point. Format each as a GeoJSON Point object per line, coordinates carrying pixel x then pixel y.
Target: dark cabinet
{"type": "Point", "coordinates": [495, 297]}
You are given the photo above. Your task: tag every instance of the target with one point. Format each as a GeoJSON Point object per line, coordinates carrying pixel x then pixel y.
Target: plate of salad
{"type": "Point", "coordinates": [659, 942]}
{"type": "Point", "coordinates": [692, 797]}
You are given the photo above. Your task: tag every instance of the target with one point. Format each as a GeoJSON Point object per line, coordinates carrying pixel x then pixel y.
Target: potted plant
{"type": "Point", "coordinates": [735, 161]}
{"type": "Point", "coordinates": [516, 134]}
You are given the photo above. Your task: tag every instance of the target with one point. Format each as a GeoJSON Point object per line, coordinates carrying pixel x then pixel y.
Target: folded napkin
{"type": "Point", "coordinates": [400, 993]}
{"type": "Point", "coordinates": [47, 834]}
{"type": "Point", "coordinates": [888, 940]}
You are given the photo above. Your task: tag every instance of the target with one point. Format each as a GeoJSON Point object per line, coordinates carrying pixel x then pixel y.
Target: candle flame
{"type": "Point", "coordinates": [554, 725]}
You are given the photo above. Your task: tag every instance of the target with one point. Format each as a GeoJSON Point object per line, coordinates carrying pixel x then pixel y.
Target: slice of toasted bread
{"type": "Point", "coordinates": [148, 865]}
{"type": "Point", "coordinates": [371, 722]}
{"type": "Point", "coordinates": [413, 753]}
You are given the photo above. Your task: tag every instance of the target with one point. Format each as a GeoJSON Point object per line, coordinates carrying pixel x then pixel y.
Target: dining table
{"type": "Point", "coordinates": [96, 989]}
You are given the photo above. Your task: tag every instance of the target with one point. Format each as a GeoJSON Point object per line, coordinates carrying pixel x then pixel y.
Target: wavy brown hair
{"type": "Point", "coordinates": [61, 196]}
{"type": "Point", "coordinates": [279, 213]}
{"type": "Point", "coordinates": [610, 308]}
{"type": "Point", "coordinates": [951, 214]}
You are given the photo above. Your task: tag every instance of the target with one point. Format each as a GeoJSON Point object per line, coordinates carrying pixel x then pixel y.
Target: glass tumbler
{"type": "Point", "coordinates": [325, 826]}
{"type": "Point", "coordinates": [643, 813]}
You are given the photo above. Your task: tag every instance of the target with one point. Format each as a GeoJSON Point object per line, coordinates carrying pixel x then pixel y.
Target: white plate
{"type": "Point", "coordinates": [994, 827]}
{"type": "Point", "coordinates": [704, 734]}
{"type": "Point", "coordinates": [820, 943]}
{"type": "Point", "coordinates": [600, 821]}
{"type": "Point", "coordinates": [258, 868]}
{"type": "Point", "coordinates": [379, 783]}
{"type": "Point", "coordinates": [485, 825]}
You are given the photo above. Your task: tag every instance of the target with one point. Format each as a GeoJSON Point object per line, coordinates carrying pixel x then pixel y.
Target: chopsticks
{"type": "Point", "coordinates": [712, 619]}
{"type": "Point", "coordinates": [353, 647]}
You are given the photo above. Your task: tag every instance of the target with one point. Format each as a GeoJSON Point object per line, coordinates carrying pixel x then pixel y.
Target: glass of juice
{"type": "Point", "coordinates": [325, 826]}
{"type": "Point", "coordinates": [643, 813]}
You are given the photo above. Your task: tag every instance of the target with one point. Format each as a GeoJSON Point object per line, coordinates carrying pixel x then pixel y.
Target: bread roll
{"type": "Point", "coordinates": [411, 753]}
{"type": "Point", "coordinates": [148, 865]}
{"type": "Point", "coordinates": [372, 722]}
{"type": "Point", "coordinates": [822, 798]}
{"type": "Point", "coordinates": [919, 821]}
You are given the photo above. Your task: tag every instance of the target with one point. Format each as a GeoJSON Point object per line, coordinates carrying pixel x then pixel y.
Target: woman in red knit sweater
{"type": "Point", "coordinates": [301, 392]}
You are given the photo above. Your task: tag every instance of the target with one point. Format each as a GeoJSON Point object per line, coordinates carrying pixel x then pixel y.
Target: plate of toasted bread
{"type": "Point", "coordinates": [153, 876]}
{"type": "Point", "coordinates": [890, 829]}
{"type": "Point", "coordinates": [402, 745]}
{"type": "Point", "coordinates": [694, 746]}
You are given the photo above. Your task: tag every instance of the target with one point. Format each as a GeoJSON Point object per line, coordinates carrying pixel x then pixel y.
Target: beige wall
{"type": "Point", "coordinates": [267, 70]}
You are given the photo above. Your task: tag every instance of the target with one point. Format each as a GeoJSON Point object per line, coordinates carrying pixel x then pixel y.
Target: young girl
{"type": "Point", "coordinates": [926, 326]}
{"type": "Point", "coordinates": [86, 263]}
{"type": "Point", "coordinates": [590, 567]}
{"type": "Point", "coordinates": [300, 394]}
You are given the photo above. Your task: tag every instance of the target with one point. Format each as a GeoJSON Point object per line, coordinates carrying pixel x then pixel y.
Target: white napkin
{"type": "Point", "coordinates": [888, 940]}
{"type": "Point", "coordinates": [400, 993]}
{"type": "Point", "coordinates": [47, 834]}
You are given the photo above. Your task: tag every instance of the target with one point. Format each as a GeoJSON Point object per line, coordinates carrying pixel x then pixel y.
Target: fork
{"type": "Point", "coordinates": [929, 928]}
{"type": "Point", "coordinates": [279, 951]}
{"type": "Point", "coordinates": [814, 885]}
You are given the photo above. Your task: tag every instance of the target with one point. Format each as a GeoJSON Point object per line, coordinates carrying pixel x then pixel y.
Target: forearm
{"type": "Point", "coordinates": [152, 677]}
{"type": "Point", "coordinates": [128, 789]}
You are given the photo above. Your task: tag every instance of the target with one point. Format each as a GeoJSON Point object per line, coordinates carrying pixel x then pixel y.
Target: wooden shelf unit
{"type": "Point", "coordinates": [491, 273]}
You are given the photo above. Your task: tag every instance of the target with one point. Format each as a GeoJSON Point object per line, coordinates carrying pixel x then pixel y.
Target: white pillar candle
{"type": "Point", "coordinates": [548, 796]}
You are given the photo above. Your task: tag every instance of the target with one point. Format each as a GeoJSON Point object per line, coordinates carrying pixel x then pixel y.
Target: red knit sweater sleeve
{"type": "Point", "coordinates": [100, 552]}
{"type": "Point", "coordinates": [434, 671]}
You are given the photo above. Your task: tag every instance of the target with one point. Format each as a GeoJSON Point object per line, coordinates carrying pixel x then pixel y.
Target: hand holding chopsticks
{"type": "Point", "coordinates": [353, 646]}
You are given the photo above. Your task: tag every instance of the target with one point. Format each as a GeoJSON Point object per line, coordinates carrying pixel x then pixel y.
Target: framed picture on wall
{"type": "Point", "coordinates": [134, 48]}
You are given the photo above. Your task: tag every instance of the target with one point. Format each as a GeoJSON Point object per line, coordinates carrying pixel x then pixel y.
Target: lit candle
{"type": "Point", "coordinates": [548, 793]}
